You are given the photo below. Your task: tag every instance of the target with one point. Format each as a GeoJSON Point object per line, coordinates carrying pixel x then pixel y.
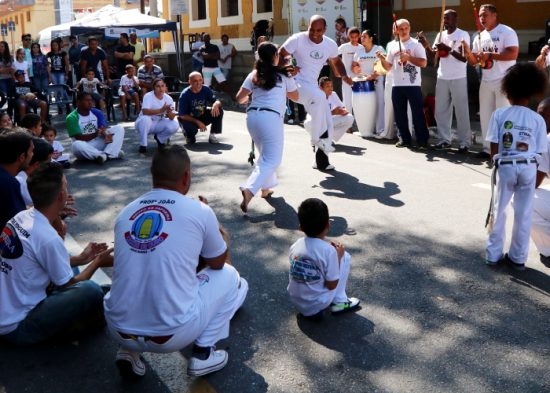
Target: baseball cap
{"type": "Point", "coordinates": [19, 72]}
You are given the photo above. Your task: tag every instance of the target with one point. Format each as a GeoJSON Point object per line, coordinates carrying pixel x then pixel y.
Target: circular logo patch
{"type": "Point", "coordinates": [508, 125]}
{"type": "Point", "coordinates": [146, 232]}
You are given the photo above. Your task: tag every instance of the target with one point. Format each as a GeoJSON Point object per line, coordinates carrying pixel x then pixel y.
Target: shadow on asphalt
{"type": "Point", "coordinates": [210, 148]}
{"type": "Point", "coordinates": [349, 187]}
{"type": "Point", "coordinates": [351, 150]}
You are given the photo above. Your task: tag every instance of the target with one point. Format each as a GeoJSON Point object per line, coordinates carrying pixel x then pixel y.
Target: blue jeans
{"type": "Point", "coordinates": [413, 95]}
{"type": "Point", "coordinates": [5, 85]}
{"type": "Point", "coordinates": [40, 83]}
{"type": "Point", "coordinates": [197, 65]}
{"type": "Point", "coordinates": [65, 313]}
{"type": "Point", "coordinates": [58, 78]}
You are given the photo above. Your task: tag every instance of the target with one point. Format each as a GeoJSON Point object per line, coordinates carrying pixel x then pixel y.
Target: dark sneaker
{"type": "Point", "coordinates": [516, 266]}
{"type": "Point", "coordinates": [442, 146]}
{"type": "Point", "coordinates": [215, 361]}
{"type": "Point", "coordinates": [493, 263]}
{"type": "Point", "coordinates": [350, 305]}
{"type": "Point", "coordinates": [463, 149]}
{"type": "Point", "coordinates": [545, 260]}
{"type": "Point", "coordinates": [143, 149]}
{"type": "Point", "coordinates": [190, 140]}
{"type": "Point", "coordinates": [402, 144]}
{"type": "Point", "coordinates": [130, 364]}
{"type": "Point", "coordinates": [421, 146]}
{"type": "Point", "coordinates": [159, 145]}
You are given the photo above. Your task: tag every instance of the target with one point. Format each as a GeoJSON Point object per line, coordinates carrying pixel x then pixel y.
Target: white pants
{"type": "Point", "coordinates": [341, 124]}
{"type": "Point", "coordinates": [346, 96]}
{"type": "Point", "coordinates": [540, 230]}
{"type": "Point", "coordinates": [451, 94]}
{"type": "Point", "coordinates": [221, 294]}
{"type": "Point", "coordinates": [379, 88]}
{"type": "Point", "coordinates": [209, 72]}
{"type": "Point", "coordinates": [517, 180]}
{"type": "Point", "coordinates": [490, 98]}
{"type": "Point", "coordinates": [266, 130]}
{"type": "Point", "coordinates": [316, 104]}
{"type": "Point", "coordinates": [163, 128]}
{"type": "Point", "coordinates": [389, 129]}
{"type": "Point", "coordinates": [96, 147]}
{"type": "Point", "coordinates": [338, 295]}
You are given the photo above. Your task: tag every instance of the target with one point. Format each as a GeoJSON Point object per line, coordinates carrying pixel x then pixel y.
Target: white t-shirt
{"type": "Point", "coordinates": [310, 57]}
{"type": "Point", "coordinates": [58, 148]}
{"type": "Point", "coordinates": [519, 132]}
{"type": "Point", "coordinates": [273, 99]}
{"type": "Point", "coordinates": [334, 101]}
{"type": "Point", "coordinates": [88, 124]}
{"type": "Point", "coordinates": [408, 74]}
{"type": "Point", "coordinates": [33, 255]}
{"type": "Point", "coordinates": [89, 86]}
{"type": "Point", "coordinates": [348, 51]}
{"type": "Point", "coordinates": [150, 101]}
{"type": "Point", "coordinates": [158, 240]}
{"type": "Point", "coordinates": [22, 179]}
{"type": "Point", "coordinates": [224, 51]}
{"type": "Point", "coordinates": [195, 49]}
{"type": "Point", "coordinates": [496, 40]}
{"type": "Point", "coordinates": [544, 160]}
{"type": "Point", "coordinates": [366, 59]}
{"type": "Point", "coordinates": [22, 66]}
{"type": "Point", "coordinates": [312, 262]}
{"type": "Point", "coordinates": [449, 67]}
{"type": "Point", "coordinates": [128, 82]}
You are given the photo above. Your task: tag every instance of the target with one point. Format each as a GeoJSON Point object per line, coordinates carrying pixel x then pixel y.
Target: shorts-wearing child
{"type": "Point", "coordinates": [319, 269]}
{"type": "Point", "coordinates": [517, 135]}
{"type": "Point", "coordinates": [129, 90]}
{"type": "Point", "coordinates": [89, 85]}
{"type": "Point", "coordinates": [49, 134]}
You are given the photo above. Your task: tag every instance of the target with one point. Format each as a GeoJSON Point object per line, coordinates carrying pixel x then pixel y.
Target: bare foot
{"type": "Point", "coordinates": [247, 197]}
{"type": "Point", "coordinates": [267, 193]}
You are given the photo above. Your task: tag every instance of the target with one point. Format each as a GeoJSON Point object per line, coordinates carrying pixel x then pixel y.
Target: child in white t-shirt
{"type": "Point", "coordinates": [517, 136]}
{"type": "Point", "coordinates": [90, 85]}
{"type": "Point", "coordinates": [21, 64]}
{"type": "Point", "coordinates": [49, 134]}
{"type": "Point", "coordinates": [342, 120]}
{"type": "Point", "coordinates": [319, 269]}
{"type": "Point", "coordinates": [129, 90]}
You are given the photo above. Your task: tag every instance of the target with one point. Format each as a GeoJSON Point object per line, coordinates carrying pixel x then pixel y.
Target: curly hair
{"type": "Point", "coordinates": [524, 81]}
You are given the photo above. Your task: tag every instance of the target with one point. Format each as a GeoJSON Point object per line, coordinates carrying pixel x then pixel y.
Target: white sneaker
{"type": "Point", "coordinates": [101, 158]}
{"type": "Point", "coordinates": [325, 145]}
{"type": "Point", "coordinates": [129, 363]}
{"type": "Point", "coordinates": [216, 361]}
{"type": "Point", "coordinates": [351, 304]}
{"type": "Point", "coordinates": [213, 139]}
{"type": "Point", "coordinates": [121, 155]}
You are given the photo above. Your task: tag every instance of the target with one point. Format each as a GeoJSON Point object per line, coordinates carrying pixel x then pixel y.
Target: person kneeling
{"type": "Point", "coordinates": [158, 302]}
{"type": "Point", "coordinates": [33, 256]}
{"type": "Point", "coordinates": [319, 269]}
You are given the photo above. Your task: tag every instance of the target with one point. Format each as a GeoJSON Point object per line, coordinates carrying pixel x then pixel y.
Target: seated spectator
{"type": "Point", "coordinates": [49, 134]}
{"type": "Point", "coordinates": [32, 123]}
{"type": "Point", "coordinates": [16, 151]}
{"type": "Point", "coordinates": [5, 120]}
{"type": "Point", "coordinates": [151, 309]}
{"type": "Point", "coordinates": [157, 117]}
{"type": "Point", "coordinates": [147, 73]}
{"type": "Point", "coordinates": [89, 85]}
{"type": "Point", "coordinates": [342, 120]}
{"type": "Point", "coordinates": [319, 269]}
{"type": "Point", "coordinates": [129, 90]}
{"type": "Point", "coordinates": [91, 138]}
{"type": "Point", "coordinates": [199, 107]}
{"type": "Point", "coordinates": [42, 153]}
{"type": "Point", "coordinates": [30, 314]}
{"type": "Point", "coordinates": [26, 97]}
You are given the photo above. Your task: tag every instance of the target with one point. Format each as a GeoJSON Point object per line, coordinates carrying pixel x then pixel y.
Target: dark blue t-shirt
{"type": "Point", "coordinates": [195, 104]}
{"type": "Point", "coordinates": [11, 201]}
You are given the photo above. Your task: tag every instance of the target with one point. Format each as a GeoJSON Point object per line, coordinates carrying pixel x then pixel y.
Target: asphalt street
{"type": "Point", "coordinates": [434, 317]}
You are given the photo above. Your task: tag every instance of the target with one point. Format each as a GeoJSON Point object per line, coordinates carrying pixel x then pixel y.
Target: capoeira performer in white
{"type": "Point", "coordinates": [540, 229]}
{"type": "Point", "coordinates": [264, 119]}
{"type": "Point", "coordinates": [311, 50]}
{"type": "Point", "coordinates": [347, 52]}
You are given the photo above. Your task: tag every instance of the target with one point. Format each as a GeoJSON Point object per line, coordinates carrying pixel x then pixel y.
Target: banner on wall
{"type": "Point", "coordinates": [64, 11]}
{"type": "Point", "coordinates": [302, 10]}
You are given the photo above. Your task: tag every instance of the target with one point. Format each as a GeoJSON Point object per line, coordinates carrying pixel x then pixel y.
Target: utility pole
{"type": "Point", "coordinates": [142, 6]}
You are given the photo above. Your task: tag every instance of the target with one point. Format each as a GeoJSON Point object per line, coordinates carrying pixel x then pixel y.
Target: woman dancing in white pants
{"type": "Point", "coordinates": [269, 89]}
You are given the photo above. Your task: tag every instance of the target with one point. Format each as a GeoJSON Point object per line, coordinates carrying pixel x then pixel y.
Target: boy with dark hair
{"type": "Point", "coordinates": [31, 122]}
{"type": "Point", "coordinates": [42, 153]}
{"type": "Point", "coordinates": [26, 96]}
{"type": "Point", "coordinates": [319, 269]}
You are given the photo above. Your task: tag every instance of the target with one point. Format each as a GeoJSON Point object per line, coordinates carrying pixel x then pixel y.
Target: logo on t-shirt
{"type": "Point", "coordinates": [304, 270]}
{"type": "Point", "coordinates": [10, 245]}
{"type": "Point", "coordinates": [146, 233]}
{"type": "Point", "coordinates": [315, 54]}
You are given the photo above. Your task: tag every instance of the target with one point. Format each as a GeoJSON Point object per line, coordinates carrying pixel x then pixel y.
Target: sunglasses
{"type": "Point", "coordinates": [27, 39]}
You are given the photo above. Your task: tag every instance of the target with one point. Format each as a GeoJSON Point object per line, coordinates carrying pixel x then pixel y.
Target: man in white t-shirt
{"type": "Point", "coordinates": [540, 229]}
{"type": "Point", "coordinates": [451, 90]}
{"type": "Point", "coordinates": [33, 257]}
{"type": "Point", "coordinates": [158, 301]}
{"type": "Point", "coordinates": [227, 53]}
{"type": "Point", "coordinates": [347, 52]}
{"type": "Point", "coordinates": [311, 50]}
{"type": "Point", "coordinates": [495, 49]}
{"type": "Point", "coordinates": [405, 59]}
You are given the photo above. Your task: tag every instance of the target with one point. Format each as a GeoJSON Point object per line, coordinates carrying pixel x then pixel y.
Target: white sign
{"type": "Point", "coordinates": [302, 10]}
{"type": "Point", "coordinates": [178, 7]}
{"type": "Point", "coordinates": [114, 32]}
{"type": "Point", "coordinates": [65, 11]}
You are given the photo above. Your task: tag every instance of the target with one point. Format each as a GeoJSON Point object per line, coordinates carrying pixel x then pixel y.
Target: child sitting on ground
{"type": "Point", "coordinates": [517, 135]}
{"type": "Point", "coordinates": [49, 134]}
{"type": "Point", "coordinates": [90, 85]}
{"type": "Point", "coordinates": [319, 269]}
{"type": "Point", "coordinates": [129, 90]}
